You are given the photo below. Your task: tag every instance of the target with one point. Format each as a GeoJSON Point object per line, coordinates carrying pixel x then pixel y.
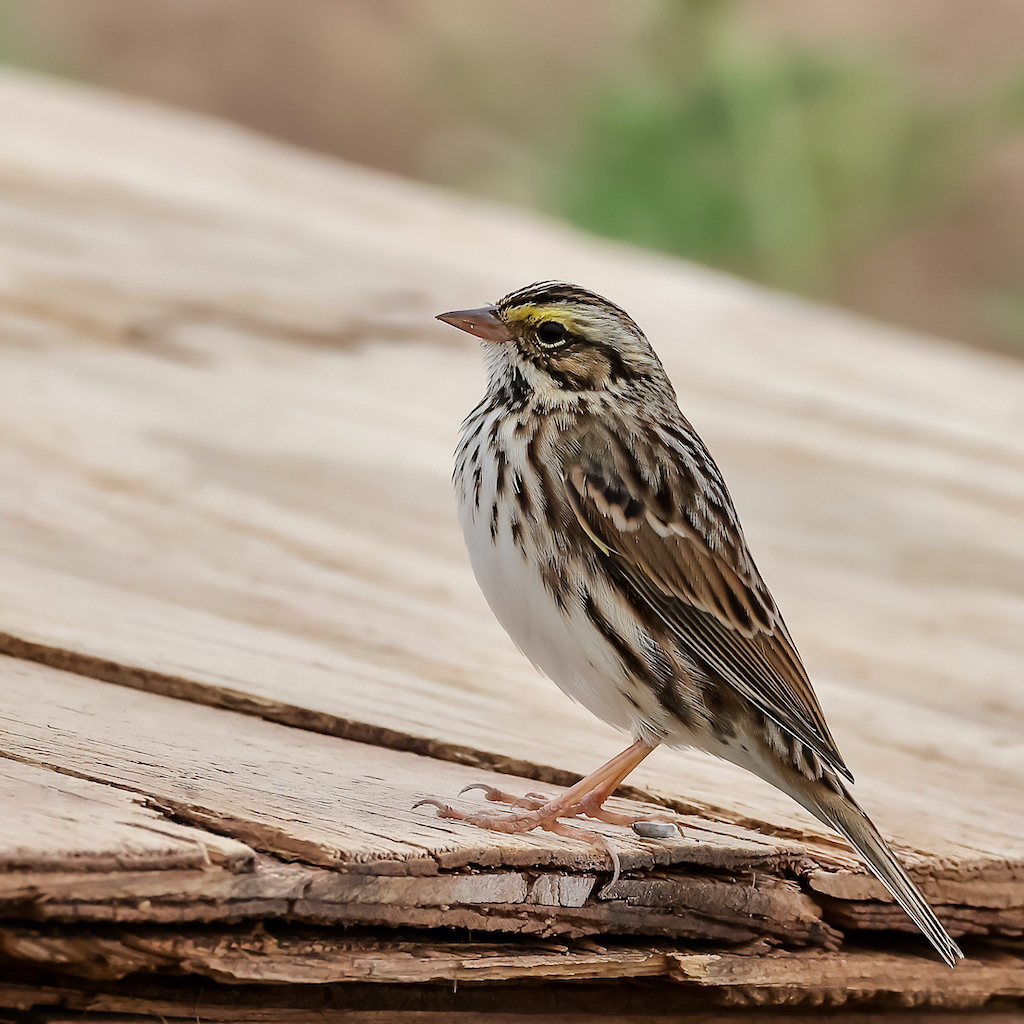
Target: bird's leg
{"type": "Point", "coordinates": [586, 798]}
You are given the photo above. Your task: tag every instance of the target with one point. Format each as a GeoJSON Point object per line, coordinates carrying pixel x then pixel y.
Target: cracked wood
{"type": "Point", "coordinates": [236, 488]}
{"type": "Point", "coordinates": [225, 427]}
{"type": "Point", "coordinates": [335, 804]}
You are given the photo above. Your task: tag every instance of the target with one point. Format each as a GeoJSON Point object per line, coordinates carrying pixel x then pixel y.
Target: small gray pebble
{"type": "Point", "coordinates": [655, 829]}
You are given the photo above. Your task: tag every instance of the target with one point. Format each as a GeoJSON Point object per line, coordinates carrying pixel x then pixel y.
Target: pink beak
{"type": "Point", "coordinates": [483, 322]}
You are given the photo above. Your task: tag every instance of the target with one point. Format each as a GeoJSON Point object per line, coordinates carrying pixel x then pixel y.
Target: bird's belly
{"type": "Point", "coordinates": [562, 643]}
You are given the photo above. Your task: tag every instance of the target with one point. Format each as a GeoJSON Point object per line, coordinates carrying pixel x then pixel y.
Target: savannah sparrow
{"type": "Point", "coordinates": [606, 543]}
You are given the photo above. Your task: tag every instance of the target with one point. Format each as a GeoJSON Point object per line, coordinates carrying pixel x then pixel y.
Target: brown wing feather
{"type": "Point", "coordinates": [659, 522]}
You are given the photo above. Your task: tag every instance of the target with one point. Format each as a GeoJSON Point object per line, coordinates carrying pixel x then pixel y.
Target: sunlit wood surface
{"type": "Point", "coordinates": [226, 424]}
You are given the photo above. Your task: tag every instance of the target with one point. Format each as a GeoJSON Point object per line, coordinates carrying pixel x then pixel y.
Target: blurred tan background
{"type": "Point", "coordinates": [869, 154]}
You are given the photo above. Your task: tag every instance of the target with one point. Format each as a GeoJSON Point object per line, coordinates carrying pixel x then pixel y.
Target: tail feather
{"type": "Point", "coordinates": [845, 816]}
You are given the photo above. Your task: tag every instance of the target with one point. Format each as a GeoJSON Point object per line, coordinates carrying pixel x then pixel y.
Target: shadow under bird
{"type": "Point", "coordinates": [606, 543]}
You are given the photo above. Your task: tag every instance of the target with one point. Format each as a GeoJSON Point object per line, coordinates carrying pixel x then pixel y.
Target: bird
{"type": "Point", "coordinates": [606, 543]}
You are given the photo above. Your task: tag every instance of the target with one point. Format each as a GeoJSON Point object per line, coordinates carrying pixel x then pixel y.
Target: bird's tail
{"type": "Point", "coordinates": [842, 812]}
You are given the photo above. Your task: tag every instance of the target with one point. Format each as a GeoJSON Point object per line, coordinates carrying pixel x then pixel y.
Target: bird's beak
{"type": "Point", "coordinates": [483, 322]}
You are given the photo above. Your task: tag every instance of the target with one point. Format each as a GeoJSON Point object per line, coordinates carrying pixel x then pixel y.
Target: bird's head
{"type": "Point", "coordinates": [562, 341]}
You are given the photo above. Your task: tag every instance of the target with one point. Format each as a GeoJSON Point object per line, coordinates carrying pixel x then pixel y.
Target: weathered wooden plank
{"type": "Point", "coordinates": [875, 916]}
{"type": "Point", "coordinates": [288, 958]}
{"type": "Point", "coordinates": [110, 607]}
{"type": "Point", "coordinates": [538, 903]}
{"type": "Point", "coordinates": [346, 805]}
{"type": "Point", "coordinates": [317, 798]}
{"type": "Point", "coordinates": [349, 806]}
{"type": "Point", "coordinates": [57, 891]}
{"type": "Point", "coordinates": [198, 492]}
{"type": "Point", "coordinates": [113, 832]}
{"type": "Point", "coordinates": [809, 978]}
{"type": "Point", "coordinates": [837, 978]}
{"type": "Point", "coordinates": [225, 423]}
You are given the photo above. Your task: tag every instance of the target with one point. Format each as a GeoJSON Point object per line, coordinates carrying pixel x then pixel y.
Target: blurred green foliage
{"type": "Point", "coordinates": [770, 160]}
{"type": "Point", "coordinates": [9, 33]}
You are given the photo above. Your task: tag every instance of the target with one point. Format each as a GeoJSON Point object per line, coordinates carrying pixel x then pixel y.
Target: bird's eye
{"type": "Point", "coordinates": [551, 332]}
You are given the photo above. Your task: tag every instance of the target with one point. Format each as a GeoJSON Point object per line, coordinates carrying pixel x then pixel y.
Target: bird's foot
{"type": "Point", "coordinates": [537, 811]}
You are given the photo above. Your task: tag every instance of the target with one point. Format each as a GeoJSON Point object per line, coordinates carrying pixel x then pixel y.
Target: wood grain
{"type": "Point", "coordinates": [112, 831]}
{"type": "Point", "coordinates": [294, 957]}
{"type": "Point", "coordinates": [257, 957]}
{"type": "Point", "coordinates": [832, 978]}
{"type": "Point", "coordinates": [333, 803]}
{"type": "Point", "coordinates": [300, 957]}
{"type": "Point", "coordinates": [226, 419]}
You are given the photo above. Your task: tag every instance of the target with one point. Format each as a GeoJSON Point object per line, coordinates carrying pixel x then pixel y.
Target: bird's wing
{"type": "Point", "coordinates": [670, 536]}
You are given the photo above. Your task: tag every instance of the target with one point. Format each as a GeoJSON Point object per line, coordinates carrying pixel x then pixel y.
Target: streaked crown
{"type": "Point", "coordinates": [571, 339]}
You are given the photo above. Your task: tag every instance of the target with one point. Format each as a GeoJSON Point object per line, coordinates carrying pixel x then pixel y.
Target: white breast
{"type": "Point", "coordinates": [563, 644]}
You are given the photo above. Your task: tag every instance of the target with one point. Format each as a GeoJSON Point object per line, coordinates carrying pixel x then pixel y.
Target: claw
{"type": "Point", "coordinates": [610, 850]}
{"type": "Point", "coordinates": [444, 809]}
{"type": "Point", "coordinates": [499, 796]}
{"type": "Point", "coordinates": [615, 863]}
{"type": "Point", "coordinates": [476, 785]}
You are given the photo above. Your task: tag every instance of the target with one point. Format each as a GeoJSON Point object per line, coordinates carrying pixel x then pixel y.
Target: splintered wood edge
{"type": "Point", "coordinates": [851, 976]}
{"type": "Point", "coordinates": [516, 917]}
{"type": "Point", "coordinates": [259, 958]}
{"type": "Point", "coordinates": [210, 695]}
{"type": "Point", "coordinates": [827, 852]}
{"type": "Point", "coordinates": [814, 860]}
{"type": "Point", "coordinates": [817, 978]}
{"type": "Point", "coordinates": [540, 903]}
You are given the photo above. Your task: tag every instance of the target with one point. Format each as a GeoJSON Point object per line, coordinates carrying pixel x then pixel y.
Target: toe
{"type": "Point", "coordinates": [443, 810]}
{"type": "Point", "coordinates": [532, 801]}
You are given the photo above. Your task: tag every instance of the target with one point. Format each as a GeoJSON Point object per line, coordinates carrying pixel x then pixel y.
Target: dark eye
{"type": "Point", "coordinates": [551, 333]}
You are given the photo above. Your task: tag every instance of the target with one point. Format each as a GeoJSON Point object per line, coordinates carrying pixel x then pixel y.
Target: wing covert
{"type": "Point", "coordinates": [660, 524]}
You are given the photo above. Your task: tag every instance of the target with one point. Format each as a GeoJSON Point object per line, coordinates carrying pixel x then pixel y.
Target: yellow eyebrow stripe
{"type": "Point", "coordinates": [535, 314]}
